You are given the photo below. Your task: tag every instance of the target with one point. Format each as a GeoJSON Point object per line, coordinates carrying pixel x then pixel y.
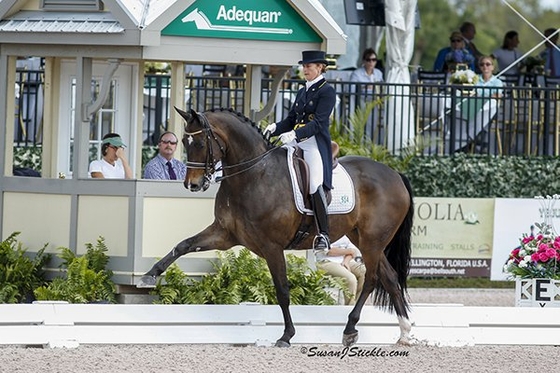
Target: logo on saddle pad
{"type": "Point", "coordinates": [343, 196]}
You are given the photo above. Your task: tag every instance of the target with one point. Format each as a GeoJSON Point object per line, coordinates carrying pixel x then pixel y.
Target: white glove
{"type": "Point", "coordinates": [270, 129]}
{"type": "Point", "coordinates": [288, 137]}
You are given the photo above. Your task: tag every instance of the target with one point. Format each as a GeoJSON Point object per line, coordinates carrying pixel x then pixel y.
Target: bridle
{"type": "Point", "coordinates": [210, 162]}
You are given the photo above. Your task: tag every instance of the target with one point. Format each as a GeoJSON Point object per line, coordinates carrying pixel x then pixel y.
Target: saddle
{"type": "Point", "coordinates": [302, 172]}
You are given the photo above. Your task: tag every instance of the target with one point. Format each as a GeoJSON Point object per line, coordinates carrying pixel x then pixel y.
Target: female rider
{"type": "Point", "coordinates": [307, 125]}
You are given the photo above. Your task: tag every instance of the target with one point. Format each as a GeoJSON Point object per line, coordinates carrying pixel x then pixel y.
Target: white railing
{"type": "Point", "coordinates": [70, 325]}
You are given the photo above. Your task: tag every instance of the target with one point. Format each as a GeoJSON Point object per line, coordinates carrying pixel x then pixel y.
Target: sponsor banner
{"type": "Point", "coordinates": [512, 219]}
{"type": "Point", "coordinates": [452, 237]}
{"type": "Point", "coordinates": [453, 228]}
{"type": "Point", "coordinates": [242, 19]}
{"type": "Point", "coordinates": [449, 267]}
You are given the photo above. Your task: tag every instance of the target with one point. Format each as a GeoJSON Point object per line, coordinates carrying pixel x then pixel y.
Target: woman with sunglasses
{"type": "Point", "coordinates": [478, 110]}
{"type": "Point", "coordinates": [488, 85]}
{"type": "Point", "coordinates": [113, 164]}
{"type": "Point", "coordinates": [164, 166]}
{"type": "Point", "coordinates": [366, 76]}
{"type": "Point", "coordinates": [367, 73]}
{"type": "Point", "coordinates": [448, 58]}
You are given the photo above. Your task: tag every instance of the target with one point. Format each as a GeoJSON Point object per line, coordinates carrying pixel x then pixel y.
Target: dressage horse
{"type": "Point", "coordinates": [255, 208]}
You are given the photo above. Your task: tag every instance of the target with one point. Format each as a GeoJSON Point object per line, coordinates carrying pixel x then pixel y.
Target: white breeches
{"type": "Point", "coordinates": [313, 158]}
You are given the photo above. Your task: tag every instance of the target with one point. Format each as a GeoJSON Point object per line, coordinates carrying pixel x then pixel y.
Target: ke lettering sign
{"type": "Point", "coordinates": [242, 19]}
{"type": "Point", "coordinates": [537, 292]}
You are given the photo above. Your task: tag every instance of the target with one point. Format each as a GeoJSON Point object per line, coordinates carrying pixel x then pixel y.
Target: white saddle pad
{"type": "Point", "coordinates": [343, 197]}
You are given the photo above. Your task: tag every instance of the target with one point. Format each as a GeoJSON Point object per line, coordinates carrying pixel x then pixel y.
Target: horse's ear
{"type": "Point", "coordinates": [186, 116]}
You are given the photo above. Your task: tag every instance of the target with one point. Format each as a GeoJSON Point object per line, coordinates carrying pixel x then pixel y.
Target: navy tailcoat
{"type": "Point", "coordinates": [309, 116]}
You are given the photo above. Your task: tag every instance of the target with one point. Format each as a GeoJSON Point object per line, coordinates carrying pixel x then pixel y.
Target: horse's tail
{"type": "Point", "coordinates": [399, 249]}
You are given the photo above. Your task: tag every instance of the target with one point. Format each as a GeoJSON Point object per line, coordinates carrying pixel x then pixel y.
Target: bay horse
{"type": "Point", "coordinates": [255, 208]}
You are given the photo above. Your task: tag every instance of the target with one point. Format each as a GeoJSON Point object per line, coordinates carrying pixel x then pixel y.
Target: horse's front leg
{"type": "Point", "coordinates": [212, 238]}
{"type": "Point", "coordinates": [277, 266]}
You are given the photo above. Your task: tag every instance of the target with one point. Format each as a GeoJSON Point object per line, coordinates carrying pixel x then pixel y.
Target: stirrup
{"type": "Point", "coordinates": [321, 243]}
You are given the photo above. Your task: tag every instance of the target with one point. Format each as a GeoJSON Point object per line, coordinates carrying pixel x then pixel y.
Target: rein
{"type": "Point", "coordinates": [257, 160]}
{"type": "Point", "coordinates": [209, 165]}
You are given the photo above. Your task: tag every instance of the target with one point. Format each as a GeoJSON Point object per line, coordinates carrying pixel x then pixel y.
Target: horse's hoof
{"type": "Point", "coordinates": [349, 339]}
{"type": "Point", "coordinates": [147, 282]}
{"type": "Point", "coordinates": [404, 341]}
{"type": "Point", "coordinates": [281, 343]}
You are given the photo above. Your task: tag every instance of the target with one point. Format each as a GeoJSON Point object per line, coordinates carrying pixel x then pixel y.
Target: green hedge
{"type": "Point", "coordinates": [462, 175]}
{"type": "Point", "coordinates": [471, 176]}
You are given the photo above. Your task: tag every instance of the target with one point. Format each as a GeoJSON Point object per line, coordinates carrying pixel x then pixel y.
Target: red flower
{"type": "Point", "coordinates": [527, 239]}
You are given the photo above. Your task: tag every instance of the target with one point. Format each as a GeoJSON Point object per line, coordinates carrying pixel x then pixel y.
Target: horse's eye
{"type": "Point", "coordinates": [198, 145]}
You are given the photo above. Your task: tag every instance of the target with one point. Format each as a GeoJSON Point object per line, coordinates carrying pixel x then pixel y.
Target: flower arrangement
{"type": "Point", "coordinates": [534, 64]}
{"type": "Point", "coordinates": [538, 255]}
{"type": "Point", "coordinates": [459, 56]}
{"type": "Point", "coordinates": [463, 77]}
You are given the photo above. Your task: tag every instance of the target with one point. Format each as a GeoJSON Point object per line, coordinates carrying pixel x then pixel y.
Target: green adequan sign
{"type": "Point", "coordinates": [242, 19]}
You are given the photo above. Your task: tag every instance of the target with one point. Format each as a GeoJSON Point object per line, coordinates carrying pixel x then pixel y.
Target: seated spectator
{"type": "Point", "coordinates": [344, 260]}
{"type": "Point", "coordinates": [367, 73]}
{"type": "Point", "coordinates": [366, 76]}
{"type": "Point", "coordinates": [488, 85]}
{"type": "Point", "coordinates": [476, 112]}
{"type": "Point", "coordinates": [508, 54]}
{"type": "Point", "coordinates": [113, 164]}
{"type": "Point", "coordinates": [448, 58]}
{"type": "Point", "coordinates": [551, 54]}
{"type": "Point", "coordinates": [163, 166]}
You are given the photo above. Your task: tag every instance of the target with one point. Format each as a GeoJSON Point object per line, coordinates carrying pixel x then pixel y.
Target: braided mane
{"type": "Point", "coordinates": [245, 119]}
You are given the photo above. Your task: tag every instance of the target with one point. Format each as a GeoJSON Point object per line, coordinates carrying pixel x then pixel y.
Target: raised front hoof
{"type": "Point", "coordinates": [281, 343]}
{"type": "Point", "coordinates": [147, 282]}
{"type": "Point", "coordinates": [349, 339]}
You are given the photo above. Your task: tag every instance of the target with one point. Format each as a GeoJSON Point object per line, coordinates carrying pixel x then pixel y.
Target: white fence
{"type": "Point", "coordinates": [69, 325]}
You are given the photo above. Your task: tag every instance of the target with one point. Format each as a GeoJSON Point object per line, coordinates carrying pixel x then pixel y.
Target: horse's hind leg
{"type": "Point", "coordinates": [382, 278]}
{"type": "Point", "coordinates": [397, 297]}
{"type": "Point", "coordinates": [406, 327]}
{"type": "Point", "coordinates": [350, 334]}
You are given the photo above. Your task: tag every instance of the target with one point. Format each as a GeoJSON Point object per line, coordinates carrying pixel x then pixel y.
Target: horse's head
{"type": "Point", "coordinates": [203, 149]}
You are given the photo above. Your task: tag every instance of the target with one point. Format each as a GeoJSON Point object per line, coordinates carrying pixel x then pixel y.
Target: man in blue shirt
{"type": "Point", "coordinates": [163, 166]}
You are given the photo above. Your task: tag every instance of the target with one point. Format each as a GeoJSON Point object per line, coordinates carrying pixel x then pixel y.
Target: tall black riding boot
{"type": "Point", "coordinates": [319, 204]}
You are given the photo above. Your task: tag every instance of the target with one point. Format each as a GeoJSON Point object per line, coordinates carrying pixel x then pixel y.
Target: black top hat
{"type": "Point", "coordinates": [313, 57]}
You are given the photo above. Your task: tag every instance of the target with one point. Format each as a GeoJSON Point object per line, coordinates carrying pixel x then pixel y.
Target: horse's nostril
{"type": "Point", "coordinates": [194, 187]}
